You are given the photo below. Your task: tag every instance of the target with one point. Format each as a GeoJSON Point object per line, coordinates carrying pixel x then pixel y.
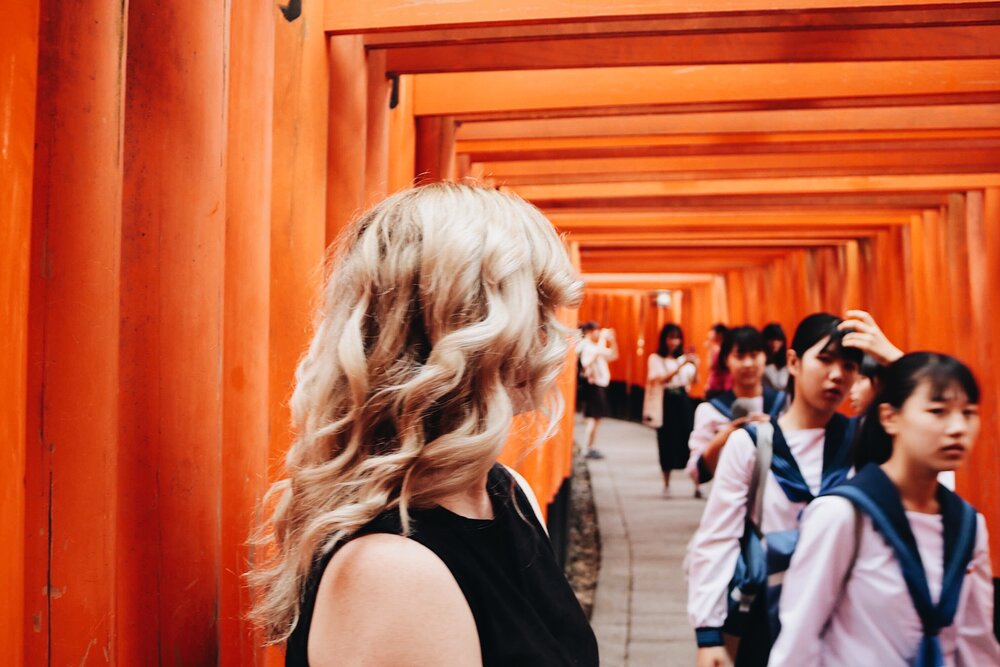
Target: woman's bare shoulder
{"type": "Point", "coordinates": [388, 600]}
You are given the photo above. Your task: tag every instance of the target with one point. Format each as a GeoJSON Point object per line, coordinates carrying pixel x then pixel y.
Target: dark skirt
{"type": "Point", "coordinates": [672, 437]}
{"type": "Point", "coordinates": [595, 401]}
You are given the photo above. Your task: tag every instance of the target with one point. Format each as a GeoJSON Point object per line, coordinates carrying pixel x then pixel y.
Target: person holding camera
{"type": "Point", "coordinates": [673, 370]}
{"type": "Point", "coordinates": [597, 347]}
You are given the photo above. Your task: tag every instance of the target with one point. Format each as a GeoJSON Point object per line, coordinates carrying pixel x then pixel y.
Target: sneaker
{"type": "Point", "coordinates": [593, 454]}
{"type": "Point", "coordinates": [667, 493]}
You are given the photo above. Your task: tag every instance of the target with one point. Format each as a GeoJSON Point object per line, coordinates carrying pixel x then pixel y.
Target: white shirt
{"type": "Point", "coordinates": [683, 377]}
{"type": "Point", "coordinates": [871, 620]}
{"type": "Point", "coordinates": [776, 378]}
{"type": "Point", "coordinates": [715, 546]}
{"type": "Point", "coordinates": [708, 422]}
{"type": "Point", "coordinates": [594, 358]}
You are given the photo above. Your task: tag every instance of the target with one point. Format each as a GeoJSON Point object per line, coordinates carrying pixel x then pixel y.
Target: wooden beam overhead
{"type": "Point", "coordinates": [479, 92]}
{"type": "Point", "coordinates": [742, 166]}
{"type": "Point", "coordinates": [759, 202]}
{"type": "Point", "coordinates": [499, 150]}
{"type": "Point", "coordinates": [661, 260]}
{"type": "Point", "coordinates": [856, 18]}
{"type": "Point", "coordinates": [775, 46]}
{"type": "Point", "coordinates": [647, 281]}
{"type": "Point", "coordinates": [585, 221]}
{"type": "Point", "coordinates": [375, 15]}
{"type": "Point", "coordinates": [867, 102]}
{"type": "Point", "coordinates": [865, 119]}
{"type": "Point", "coordinates": [725, 244]}
{"type": "Point", "coordinates": [760, 186]}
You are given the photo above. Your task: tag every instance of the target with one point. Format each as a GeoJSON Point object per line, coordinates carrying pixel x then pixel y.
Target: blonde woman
{"type": "Point", "coordinates": [396, 538]}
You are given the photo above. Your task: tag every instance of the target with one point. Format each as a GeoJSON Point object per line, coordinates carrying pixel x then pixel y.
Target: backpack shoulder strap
{"type": "Point", "coordinates": [763, 437]}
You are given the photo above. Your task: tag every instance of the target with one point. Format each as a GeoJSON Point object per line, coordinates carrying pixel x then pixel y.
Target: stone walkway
{"type": "Point", "coordinates": [640, 613]}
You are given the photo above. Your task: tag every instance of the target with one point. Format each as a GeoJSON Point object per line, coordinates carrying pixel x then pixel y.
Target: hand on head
{"type": "Point", "coordinates": [866, 336]}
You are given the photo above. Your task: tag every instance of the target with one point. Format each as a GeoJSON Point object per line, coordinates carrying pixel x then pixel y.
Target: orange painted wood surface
{"type": "Point", "coordinates": [387, 14]}
{"type": "Point", "coordinates": [906, 115]}
{"type": "Point", "coordinates": [18, 88]}
{"type": "Point", "coordinates": [984, 270]}
{"type": "Point", "coordinates": [73, 485]}
{"type": "Point", "coordinates": [173, 283]}
{"type": "Point", "coordinates": [760, 186]}
{"type": "Point", "coordinates": [478, 92]}
{"type": "Point", "coordinates": [671, 48]}
{"type": "Point", "coordinates": [348, 114]}
{"type": "Point", "coordinates": [379, 87]}
{"type": "Point", "coordinates": [246, 316]}
{"type": "Point", "coordinates": [402, 137]}
{"type": "Point", "coordinates": [435, 149]}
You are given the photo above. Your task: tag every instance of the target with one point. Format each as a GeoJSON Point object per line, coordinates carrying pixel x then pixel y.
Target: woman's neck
{"type": "Point", "coordinates": [472, 503]}
{"type": "Point", "coordinates": [801, 416]}
{"type": "Point", "coordinates": [917, 484]}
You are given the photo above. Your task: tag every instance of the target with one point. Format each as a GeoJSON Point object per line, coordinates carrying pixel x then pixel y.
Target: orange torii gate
{"type": "Point", "coordinates": [170, 198]}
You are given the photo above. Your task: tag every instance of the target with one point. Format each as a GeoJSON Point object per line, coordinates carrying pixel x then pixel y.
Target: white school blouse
{"type": "Point", "coordinates": [683, 376]}
{"type": "Point", "coordinates": [713, 550]}
{"type": "Point", "coordinates": [708, 421]}
{"type": "Point", "coordinates": [594, 358]}
{"type": "Point", "coordinates": [871, 619]}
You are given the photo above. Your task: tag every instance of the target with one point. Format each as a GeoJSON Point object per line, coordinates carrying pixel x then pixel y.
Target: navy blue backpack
{"type": "Point", "coordinates": [873, 493]}
{"type": "Point", "coordinates": [763, 559]}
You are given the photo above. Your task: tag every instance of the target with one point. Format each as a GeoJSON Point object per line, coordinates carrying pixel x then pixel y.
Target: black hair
{"type": "Point", "coordinates": [900, 379]}
{"type": "Point", "coordinates": [589, 326]}
{"type": "Point", "coordinates": [741, 339]}
{"type": "Point", "coordinates": [720, 329]}
{"type": "Point", "coordinates": [774, 331]}
{"type": "Point", "coordinates": [815, 328]}
{"type": "Point", "coordinates": [871, 369]}
{"type": "Point", "coordinates": [666, 332]}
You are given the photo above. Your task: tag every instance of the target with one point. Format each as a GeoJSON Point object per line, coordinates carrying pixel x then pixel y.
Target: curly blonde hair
{"type": "Point", "coordinates": [438, 320]}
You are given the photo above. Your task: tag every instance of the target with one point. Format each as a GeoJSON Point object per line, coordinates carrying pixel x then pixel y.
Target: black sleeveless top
{"type": "Point", "coordinates": [525, 611]}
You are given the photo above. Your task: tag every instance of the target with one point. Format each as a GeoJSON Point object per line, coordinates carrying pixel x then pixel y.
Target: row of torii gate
{"type": "Point", "coordinates": [172, 173]}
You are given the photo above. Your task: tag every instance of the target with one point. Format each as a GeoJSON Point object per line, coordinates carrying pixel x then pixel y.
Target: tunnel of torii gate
{"type": "Point", "coordinates": [172, 174]}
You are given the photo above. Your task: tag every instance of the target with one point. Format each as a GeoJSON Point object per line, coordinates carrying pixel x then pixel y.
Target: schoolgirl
{"type": "Point", "coordinates": [776, 347]}
{"type": "Point", "coordinates": [892, 568]}
{"type": "Point", "coordinates": [743, 355]}
{"type": "Point", "coordinates": [811, 454]}
{"type": "Point", "coordinates": [673, 370]}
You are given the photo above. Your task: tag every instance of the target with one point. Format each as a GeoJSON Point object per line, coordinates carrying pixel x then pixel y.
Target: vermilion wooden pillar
{"type": "Point", "coordinates": [19, 52]}
{"type": "Point", "coordinates": [377, 127]}
{"type": "Point", "coordinates": [173, 245]}
{"type": "Point", "coordinates": [979, 246]}
{"type": "Point", "coordinates": [402, 137]}
{"type": "Point", "coordinates": [298, 203]}
{"type": "Point", "coordinates": [985, 226]}
{"type": "Point", "coordinates": [73, 443]}
{"type": "Point", "coordinates": [435, 156]}
{"type": "Point", "coordinates": [347, 133]}
{"type": "Point", "coordinates": [250, 66]}
{"type": "Point", "coordinates": [298, 209]}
